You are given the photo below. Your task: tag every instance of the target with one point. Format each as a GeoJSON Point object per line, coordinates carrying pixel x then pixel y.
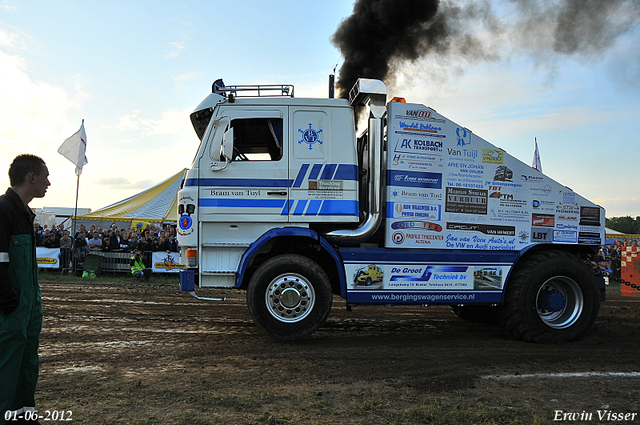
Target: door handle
{"type": "Point", "coordinates": [277, 193]}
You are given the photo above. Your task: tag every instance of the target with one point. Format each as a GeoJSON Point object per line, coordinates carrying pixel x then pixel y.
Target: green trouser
{"type": "Point", "coordinates": [19, 339]}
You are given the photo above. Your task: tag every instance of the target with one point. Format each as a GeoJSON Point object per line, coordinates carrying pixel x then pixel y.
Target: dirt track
{"type": "Point", "coordinates": [140, 354]}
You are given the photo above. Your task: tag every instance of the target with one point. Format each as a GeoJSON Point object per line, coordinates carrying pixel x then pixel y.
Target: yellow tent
{"type": "Point", "coordinates": [158, 204]}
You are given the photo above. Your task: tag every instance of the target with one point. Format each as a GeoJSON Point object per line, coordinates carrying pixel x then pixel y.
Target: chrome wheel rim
{"type": "Point", "coordinates": [560, 302]}
{"type": "Point", "coordinates": [290, 298]}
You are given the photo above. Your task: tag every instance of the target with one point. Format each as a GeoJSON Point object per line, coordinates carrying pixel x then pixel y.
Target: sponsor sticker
{"type": "Point", "coordinates": [466, 201]}
{"type": "Point", "coordinates": [427, 129]}
{"type": "Point", "coordinates": [413, 145]}
{"type": "Point", "coordinates": [503, 174]}
{"type": "Point", "coordinates": [492, 156]}
{"type": "Point", "coordinates": [464, 137]}
{"type": "Point", "coordinates": [540, 190]}
{"type": "Point", "coordinates": [531, 179]}
{"type": "Point", "coordinates": [415, 179]}
{"type": "Point", "coordinates": [590, 216]}
{"type": "Point", "coordinates": [544, 220]}
{"type": "Point", "coordinates": [487, 229]}
{"type": "Point", "coordinates": [420, 113]}
{"type": "Point", "coordinates": [417, 225]}
{"type": "Point", "coordinates": [541, 235]}
{"type": "Point", "coordinates": [566, 236]}
{"type": "Point", "coordinates": [422, 211]}
{"type": "Point", "coordinates": [589, 238]}
{"type": "Point", "coordinates": [464, 154]}
{"type": "Point", "coordinates": [563, 226]}
{"type": "Point", "coordinates": [46, 260]}
{"type": "Point", "coordinates": [415, 194]}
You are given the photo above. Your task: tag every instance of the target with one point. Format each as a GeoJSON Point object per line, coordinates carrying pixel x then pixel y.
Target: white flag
{"type": "Point", "coordinates": [74, 149]}
{"type": "Point", "coordinates": [536, 158]}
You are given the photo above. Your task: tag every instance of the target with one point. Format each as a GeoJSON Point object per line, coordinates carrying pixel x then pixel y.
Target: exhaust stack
{"type": "Point", "coordinates": [372, 94]}
{"type": "Point", "coordinates": [332, 86]}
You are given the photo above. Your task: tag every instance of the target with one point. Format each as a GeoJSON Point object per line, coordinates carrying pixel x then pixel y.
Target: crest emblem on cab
{"type": "Point", "coordinates": [310, 136]}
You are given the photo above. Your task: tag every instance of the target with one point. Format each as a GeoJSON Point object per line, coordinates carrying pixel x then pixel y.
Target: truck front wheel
{"type": "Point", "coordinates": [289, 297]}
{"type": "Point", "coordinates": [550, 297]}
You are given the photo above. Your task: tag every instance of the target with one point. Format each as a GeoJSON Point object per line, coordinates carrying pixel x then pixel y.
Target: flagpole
{"type": "Point", "coordinates": [75, 211]}
{"type": "Point", "coordinates": [74, 149]}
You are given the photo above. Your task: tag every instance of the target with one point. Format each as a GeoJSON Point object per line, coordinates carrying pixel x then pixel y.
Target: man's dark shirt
{"type": "Point", "coordinates": [15, 219]}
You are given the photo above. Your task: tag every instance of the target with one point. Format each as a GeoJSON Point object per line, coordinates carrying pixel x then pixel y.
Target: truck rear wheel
{"type": "Point", "coordinates": [551, 297]}
{"type": "Point", "coordinates": [289, 297]}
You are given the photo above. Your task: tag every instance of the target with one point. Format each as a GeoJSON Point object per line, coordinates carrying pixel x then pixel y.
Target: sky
{"type": "Point", "coordinates": [135, 70]}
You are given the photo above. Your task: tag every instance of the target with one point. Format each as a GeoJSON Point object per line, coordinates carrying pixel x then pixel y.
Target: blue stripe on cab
{"type": "Point", "coordinates": [327, 173]}
{"type": "Point", "coordinates": [314, 207]}
{"type": "Point", "coordinates": [339, 207]}
{"type": "Point", "coordinates": [242, 203]}
{"type": "Point", "coordinates": [287, 207]}
{"type": "Point", "coordinates": [239, 182]}
{"type": "Point", "coordinates": [300, 207]}
{"type": "Point", "coordinates": [301, 174]}
{"type": "Point", "coordinates": [346, 172]}
{"type": "Point", "coordinates": [315, 171]}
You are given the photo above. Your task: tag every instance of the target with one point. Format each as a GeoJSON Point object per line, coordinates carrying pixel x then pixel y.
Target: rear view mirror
{"type": "Point", "coordinates": [219, 153]}
{"type": "Point", "coordinates": [226, 150]}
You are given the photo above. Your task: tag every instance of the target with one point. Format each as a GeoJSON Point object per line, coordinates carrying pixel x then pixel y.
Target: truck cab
{"type": "Point", "coordinates": [265, 163]}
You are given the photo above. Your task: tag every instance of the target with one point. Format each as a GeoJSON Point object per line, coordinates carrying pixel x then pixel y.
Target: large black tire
{"type": "Point", "coordinates": [289, 297]}
{"type": "Point", "coordinates": [550, 297]}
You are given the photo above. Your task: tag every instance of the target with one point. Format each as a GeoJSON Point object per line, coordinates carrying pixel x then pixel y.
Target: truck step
{"type": "Point", "coordinates": [225, 245]}
{"type": "Point", "coordinates": [218, 273]}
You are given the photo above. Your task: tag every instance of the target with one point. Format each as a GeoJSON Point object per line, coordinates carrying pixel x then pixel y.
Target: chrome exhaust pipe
{"type": "Point", "coordinates": [373, 95]}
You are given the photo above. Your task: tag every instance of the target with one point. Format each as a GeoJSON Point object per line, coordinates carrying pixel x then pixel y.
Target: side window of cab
{"type": "Point", "coordinates": [257, 139]}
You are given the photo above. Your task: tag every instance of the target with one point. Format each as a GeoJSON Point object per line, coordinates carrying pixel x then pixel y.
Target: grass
{"type": "Point", "coordinates": [54, 276]}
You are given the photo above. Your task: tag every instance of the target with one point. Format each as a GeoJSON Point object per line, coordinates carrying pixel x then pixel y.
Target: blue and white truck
{"type": "Point", "coordinates": [287, 200]}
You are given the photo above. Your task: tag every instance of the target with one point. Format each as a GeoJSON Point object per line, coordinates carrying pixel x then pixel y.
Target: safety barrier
{"type": "Point", "coordinates": [118, 261]}
{"type": "Point", "coordinates": [66, 259]}
{"type": "Point", "coordinates": [112, 261]}
{"type": "Point", "coordinates": [630, 274]}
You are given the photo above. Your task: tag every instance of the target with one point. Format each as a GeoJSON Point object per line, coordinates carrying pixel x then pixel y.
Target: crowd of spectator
{"type": "Point", "coordinates": [111, 239]}
{"type": "Point", "coordinates": [613, 253]}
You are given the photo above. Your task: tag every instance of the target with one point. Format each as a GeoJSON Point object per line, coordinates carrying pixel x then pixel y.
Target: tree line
{"type": "Point", "coordinates": [627, 225]}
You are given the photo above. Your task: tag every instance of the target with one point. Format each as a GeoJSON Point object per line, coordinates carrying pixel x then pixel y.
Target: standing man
{"type": "Point", "coordinates": [20, 300]}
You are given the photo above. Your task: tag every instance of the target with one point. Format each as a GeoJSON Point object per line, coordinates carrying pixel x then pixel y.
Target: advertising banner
{"type": "Point", "coordinates": [435, 277]}
{"type": "Point", "coordinates": [448, 188]}
{"type": "Point", "coordinates": [166, 262]}
{"type": "Point", "coordinates": [47, 257]}
{"type": "Point", "coordinates": [162, 262]}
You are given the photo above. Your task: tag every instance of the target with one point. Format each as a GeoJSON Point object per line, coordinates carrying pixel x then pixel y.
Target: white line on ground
{"type": "Point", "coordinates": [564, 375]}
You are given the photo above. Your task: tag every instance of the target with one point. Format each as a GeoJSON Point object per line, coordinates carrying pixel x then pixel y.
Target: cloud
{"type": "Point", "coordinates": [8, 39]}
{"type": "Point", "coordinates": [29, 110]}
{"type": "Point", "coordinates": [186, 77]}
{"type": "Point", "coordinates": [182, 79]}
{"type": "Point", "coordinates": [34, 115]}
{"type": "Point", "coordinates": [5, 5]}
{"type": "Point", "coordinates": [176, 48]}
{"type": "Point", "coordinates": [128, 122]}
{"type": "Point", "coordinates": [619, 207]}
{"type": "Point", "coordinates": [171, 122]}
{"type": "Point", "coordinates": [121, 183]}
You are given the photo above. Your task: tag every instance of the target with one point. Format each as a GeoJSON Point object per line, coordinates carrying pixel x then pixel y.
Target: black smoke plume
{"type": "Point", "coordinates": [380, 35]}
{"type": "Point", "coordinates": [379, 31]}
